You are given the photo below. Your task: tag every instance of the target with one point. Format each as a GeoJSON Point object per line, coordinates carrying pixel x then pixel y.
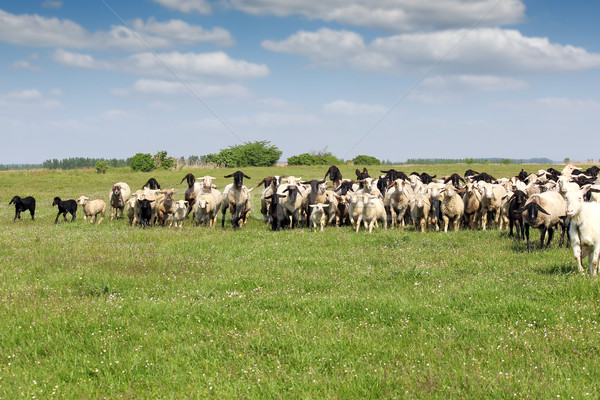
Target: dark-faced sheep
{"type": "Point", "coordinates": [64, 207]}
{"type": "Point", "coordinates": [23, 204]}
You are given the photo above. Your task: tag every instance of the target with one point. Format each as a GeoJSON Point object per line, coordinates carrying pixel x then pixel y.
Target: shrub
{"type": "Point", "coordinates": [142, 162]}
{"type": "Point", "coordinates": [322, 158]}
{"type": "Point", "coordinates": [162, 161]}
{"type": "Point", "coordinates": [101, 166]}
{"type": "Point", "coordinates": [255, 154]}
{"type": "Point", "coordinates": [365, 160]}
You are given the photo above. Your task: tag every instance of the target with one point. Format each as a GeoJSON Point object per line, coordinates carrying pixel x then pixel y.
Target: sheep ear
{"type": "Point", "coordinates": [228, 176]}
{"type": "Point", "coordinates": [586, 188]}
{"type": "Point", "coordinates": [246, 176]}
{"type": "Point", "coordinates": [187, 203]}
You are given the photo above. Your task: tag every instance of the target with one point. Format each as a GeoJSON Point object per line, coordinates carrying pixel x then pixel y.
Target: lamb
{"type": "Point", "coordinates": [355, 210]}
{"type": "Point", "coordinates": [191, 191]}
{"type": "Point", "coordinates": [276, 212]}
{"type": "Point", "coordinates": [146, 212]}
{"type": "Point", "coordinates": [318, 216]}
{"type": "Point", "coordinates": [64, 207]}
{"type": "Point", "coordinates": [271, 184]}
{"type": "Point", "coordinates": [516, 202]}
{"type": "Point", "coordinates": [397, 199]}
{"type": "Point", "coordinates": [206, 210]}
{"type": "Point", "coordinates": [92, 208]}
{"type": "Point", "coordinates": [453, 207]}
{"type": "Point", "coordinates": [373, 210]}
{"type": "Point", "coordinates": [146, 194]}
{"type": "Point", "coordinates": [118, 195]}
{"type": "Point", "coordinates": [332, 210]}
{"type": "Point", "coordinates": [164, 206]}
{"type": "Point", "coordinates": [131, 209]}
{"type": "Point", "coordinates": [179, 213]}
{"type": "Point", "coordinates": [544, 211]}
{"type": "Point", "coordinates": [315, 194]}
{"type": "Point", "coordinates": [23, 204]}
{"type": "Point", "coordinates": [419, 211]}
{"type": "Point", "coordinates": [584, 230]}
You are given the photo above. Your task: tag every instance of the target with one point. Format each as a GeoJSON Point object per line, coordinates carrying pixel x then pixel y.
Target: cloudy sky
{"type": "Point", "coordinates": [395, 79]}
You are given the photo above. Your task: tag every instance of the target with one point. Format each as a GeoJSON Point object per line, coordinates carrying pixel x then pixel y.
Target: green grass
{"type": "Point", "coordinates": [112, 311]}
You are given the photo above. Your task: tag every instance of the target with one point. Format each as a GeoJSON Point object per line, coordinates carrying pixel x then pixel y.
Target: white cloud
{"type": "Point", "coordinates": [278, 120]}
{"type": "Point", "coordinates": [28, 101]}
{"type": "Point", "coordinates": [78, 60]}
{"type": "Point", "coordinates": [564, 103]}
{"type": "Point", "coordinates": [24, 64]}
{"type": "Point", "coordinates": [323, 47]}
{"type": "Point", "coordinates": [487, 51]}
{"type": "Point", "coordinates": [38, 31]}
{"type": "Point", "coordinates": [350, 109]}
{"type": "Point", "coordinates": [154, 87]}
{"type": "Point", "coordinates": [186, 6]}
{"type": "Point", "coordinates": [486, 83]}
{"type": "Point", "coordinates": [398, 15]}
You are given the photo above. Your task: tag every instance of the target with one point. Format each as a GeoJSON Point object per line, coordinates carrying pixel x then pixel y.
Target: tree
{"type": "Point", "coordinates": [366, 160]}
{"type": "Point", "coordinates": [142, 162]}
{"type": "Point", "coordinates": [506, 161]}
{"type": "Point", "coordinates": [162, 161]}
{"type": "Point", "coordinates": [255, 154]}
{"type": "Point", "coordinates": [101, 166]}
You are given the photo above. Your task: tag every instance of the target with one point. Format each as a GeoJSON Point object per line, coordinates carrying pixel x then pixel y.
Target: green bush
{"type": "Point", "coordinates": [101, 166]}
{"type": "Point", "coordinates": [314, 159]}
{"type": "Point", "coordinates": [142, 162]}
{"type": "Point", "coordinates": [161, 160]}
{"type": "Point", "coordinates": [366, 160]}
{"type": "Point", "coordinates": [251, 154]}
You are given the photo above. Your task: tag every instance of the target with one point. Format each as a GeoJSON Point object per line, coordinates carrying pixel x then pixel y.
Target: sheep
{"type": "Point", "coordinates": [315, 194]}
{"type": "Point", "coordinates": [492, 196]}
{"type": "Point", "coordinates": [152, 184]}
{"type": "Point", "coordinates": [276, 212]}
{"type": "Point", "coordinates": [453, 207]}
{"type": "Point", "coordinates": [179, 213]}
{"type": "Point", "coordinates": [206, 210]}
{"type": "Point", "coordinates": [335, 175]}
{"type": "Point", "coordinates": [131, 209]}
{"type": "Point", "coordinates": [118, 195]}
{"type": "Point", "coordinates": [516, 202]}
{"type": "Point", "coordinates": [64, 207]}
{"type": "Point", "coordinates": [271, 184]}
{"type": "Point", "coordinates": [23, 204]}
{"type": "Point", "coordinates": [544, 211]}
{"type": "Point", "coordinates": [584, 230]}
{"type": "Point", "coordinates": [393, 175]}
{"type": "Point", "coordinates": [164, 206]}
{"type": "Point", "coordinates": [146, 212]}
{"type": "Point", "coordinates": [419, 210]}
{"type": "Point", "coordinates": [332, 210]}
{"type": "Point", "coordinates": [292, 203]}
{"type": "Point", "coordinates": [435, 213]}
{"type": "Point", "coordinates": [318, 216]}
{"type": "Point", "coordinates": [92, 208]}
{"type": "Point", "coordinates": [146, 194]}
{"type": "Point", "coordinates": [373, 210]}
{"type": "Point", "coordinates": [355, 209]}
{"type": "Point", "coordinates": [397, 199]}
{"type": "Point", "coordinates": [191, 191]}
{"type": "Point", "coordinates": [472, 205]}
{"type": "Point", "coordinates": [236, 198]}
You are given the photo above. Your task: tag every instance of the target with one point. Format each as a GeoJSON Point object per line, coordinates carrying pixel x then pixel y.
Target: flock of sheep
{"type": "Point", "coordinates": [545, 200]}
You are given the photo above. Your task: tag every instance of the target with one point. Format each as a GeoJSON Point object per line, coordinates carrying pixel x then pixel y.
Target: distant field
{"type": "Point", "coordinates": [112, 311]}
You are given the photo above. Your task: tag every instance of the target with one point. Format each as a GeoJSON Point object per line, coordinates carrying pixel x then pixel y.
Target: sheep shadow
{"type": "Point", "coordinates": [557, 269]}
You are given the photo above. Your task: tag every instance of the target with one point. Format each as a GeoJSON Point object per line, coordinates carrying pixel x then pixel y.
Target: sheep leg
{"type": "Point", "coordinates": [576, 245]}
{"type": "Point", "coordinates": [65, 216]}
{"type": "Point", "coordinates": [527, 235]}
{"type": "Point", "coordinates": [456, 224]}
{"type": "Point", "coordinates": [594, 260]}
{"type": "Point", "coordinates": [73, 216]}
{"type": "Point", "coordinates": [542, 236]}
{"type": "Point", "coordinates": [58, 215]}
{"type": "Point", "coordinates": [446, 221]}
{"type": "Point", "coordinates": [550, 236]}
{"type": "Point", "coordinates": [423, 224]}
{"type": "Point", "coordinates": [484, 218]}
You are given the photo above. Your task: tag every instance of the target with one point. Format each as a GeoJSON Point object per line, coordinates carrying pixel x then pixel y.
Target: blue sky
{"type": "Point", "coordinates": [395, 79]}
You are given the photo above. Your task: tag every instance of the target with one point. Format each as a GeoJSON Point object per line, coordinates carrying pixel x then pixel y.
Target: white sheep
{"type": "Point", "coordinates": [453, 207]}
{"type": "Point", "coordinates": [92, 208]}
{"type": "Point", "coordinates": [419, 211]}
{"type": "Point", "coordinates": [318, 216]}
{"type": "Point", "coordinates": [472, 202]}
{"type": "Point", "coordinates": [179, 213]}
{"type": "Point", "coordinates": [492, 197]}
{"type": "Point", "coordinates": [206, 210]}
{"type": "Point", "coordinates": [373, 210]}
{"type": "Point", "coordinates": [584, 230]}
{"type": "Point", "coordinates": [355, 209]}
{"type": "Point", "coordinates": [118, 196]}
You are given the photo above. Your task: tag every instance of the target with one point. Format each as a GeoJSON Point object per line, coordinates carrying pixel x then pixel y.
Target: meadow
{"type": "Point", "coordinates": [114, 311]}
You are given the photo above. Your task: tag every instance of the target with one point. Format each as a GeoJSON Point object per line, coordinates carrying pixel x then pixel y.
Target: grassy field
{"type": "Point", "coordinates": [112, 311]}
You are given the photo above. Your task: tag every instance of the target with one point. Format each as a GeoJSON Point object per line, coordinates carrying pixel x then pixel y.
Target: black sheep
{"type": "Point", "coordinates": [27, 203]}
{"type": "Point", "coordinates": [153, 184]}
{"type": "Point", "coordinates": [145, 212]}
{"type": "Point", "coordinates": [278, 218]}
{"type": "Point", "coordinates": [64, 207]}
{"type": "Point", "coordinates": [516, 202]}
{"type": "Point", "coordinates": [335, 175]}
